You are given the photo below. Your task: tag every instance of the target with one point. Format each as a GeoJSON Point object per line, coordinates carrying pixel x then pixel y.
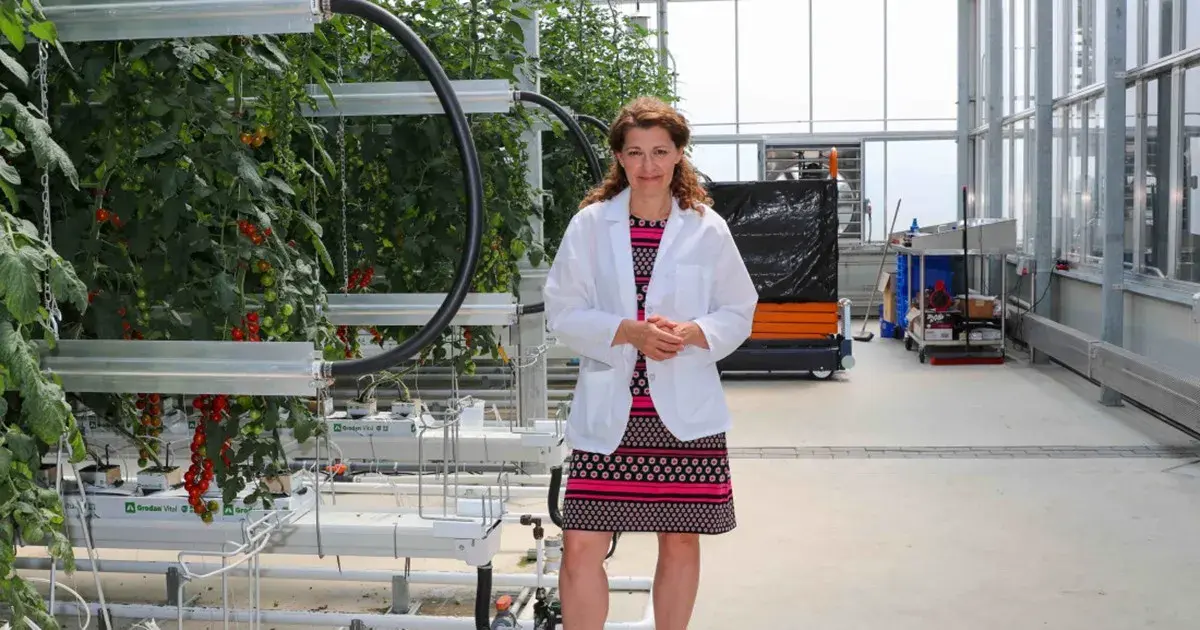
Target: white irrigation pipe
{"type": "Point", "coordinates": [87, 611]}
{"type": "Point", "coordinates": [516, 492]}
{"type": "Point", "coordinates": [326, 619]}
{"type": "Point", "coordinates": [452, 578]}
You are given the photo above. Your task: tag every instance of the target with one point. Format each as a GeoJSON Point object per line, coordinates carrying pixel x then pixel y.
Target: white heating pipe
{"type": "Point", "coordinates": [516, 492]}
{"type": "Point", "coordinates": [305, 618]}
{"type": "Point", "coordinates": [464, 479]}
{"type": "Point", "coordinates": [499, 580]}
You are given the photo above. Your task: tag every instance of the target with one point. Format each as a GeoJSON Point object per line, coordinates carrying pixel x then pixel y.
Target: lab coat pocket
{"type": "Point", "coordinates": [595, 397]}
{"type": "Point", "coordinates": [697, 384]}
{"type": "Point", "coordinates": [691, 291]}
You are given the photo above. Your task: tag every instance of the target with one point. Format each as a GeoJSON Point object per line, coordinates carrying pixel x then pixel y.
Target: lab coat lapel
{"type": "Point", "coordinates": [674, 226]}
{"type": "Point", "coordinates": [617, 214]}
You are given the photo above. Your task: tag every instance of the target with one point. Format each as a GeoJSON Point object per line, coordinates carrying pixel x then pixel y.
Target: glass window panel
{"type": "Point", "coordinates": [1094, 206]}
{"type": "Point", "coordinates": [1189, 238]}
{"type": "Point", "coordinates": [1133, 27]}
{"type": "Point", "coordinates": [1154, 234]}
{"type": "Point", "coordinates": [874, 191]}
{"type": "Point", "coordinates": [718, 161]}
{"type": "Point", "coordinates": [1060, 40]}
{"type": "Point", "coordinates": [932, 124]}
{"type": "Point", "coordinates": [1191, 34]}
{"type": "Point", "coordinates": [916, 87]}
{"type": "Point", "coordinates": [848, 126]}
{"type": "Point", "coordinates": [847, 60]}
{"type": "Point", "coordinates": [773, 60]}
{"type": "Point", "coordinates": [747, 162]}
{"type": "Point", "coordinates": [776, 127]}
{"type": "Point", "coordinates": [701, 41]}
{"type": "Point", "coordinates": [1058, 164]}
{"type": "Point", "coordinates": [923, 174]}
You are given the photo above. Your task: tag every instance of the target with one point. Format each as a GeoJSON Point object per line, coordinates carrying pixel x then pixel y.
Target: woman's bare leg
{"type": "Point", "coordinates": [676, 580]}
{"type": "Point", "coordinates": [582, 581]}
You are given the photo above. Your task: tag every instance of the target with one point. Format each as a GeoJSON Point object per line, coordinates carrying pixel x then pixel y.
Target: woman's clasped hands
{"type": "Point", "coordinates": [660, 338]}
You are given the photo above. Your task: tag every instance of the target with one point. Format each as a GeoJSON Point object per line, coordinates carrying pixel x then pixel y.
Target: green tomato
{"type": "Point", "coordinates": [256, 415]}
{"type": "Point", "coordinates": [283, 329]}
{"type": "Point", "coordinates": [141, 293]}
{"type": "Point", "coordinates": [268, 281]}
{"type": "Point", "coordinates": [245, 401]}
{"type": "Point", "coordinates": [268, 322]}
{"type": "Point", "coordinates": [270, 295]}
{"type": "Point", "coordinates": [288, 309]}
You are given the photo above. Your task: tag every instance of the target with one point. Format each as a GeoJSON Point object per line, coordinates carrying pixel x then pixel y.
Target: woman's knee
{"type": "Point", "coordinates": [673, 544]}
{"type": "Point", "coordinates": [584, 548]}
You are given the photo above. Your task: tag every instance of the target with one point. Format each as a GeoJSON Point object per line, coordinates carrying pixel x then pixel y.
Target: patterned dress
{"type": "Point", "coordinates": [653, 482]}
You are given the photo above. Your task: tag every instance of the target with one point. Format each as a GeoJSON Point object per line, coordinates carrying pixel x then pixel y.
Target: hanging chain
{"type": "Point", "coordinates": [341, 140]}
{"type": "Point", "coordinates": [43, 73]}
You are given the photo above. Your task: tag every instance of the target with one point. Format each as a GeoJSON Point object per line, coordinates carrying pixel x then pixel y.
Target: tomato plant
{"type": "Point", "coordinates": [191, 200]}
{"type": "Point", "coordinates": [600, 61]}
{"type": "Point", "coordinates": [33, 277]}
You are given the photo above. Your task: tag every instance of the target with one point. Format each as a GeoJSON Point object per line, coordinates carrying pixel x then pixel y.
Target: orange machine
{"type": "Point", "coordinates": [804, 320]}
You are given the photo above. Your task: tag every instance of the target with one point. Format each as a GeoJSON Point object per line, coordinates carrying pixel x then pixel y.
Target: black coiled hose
{"type": "Point", "coordinates": [472, 179]}
{"type": "Point", "coordinates": [595, 122]}
{"type": "Point", "coordinates": [556, 511]}
{"type": "Point", "coordinates": [572, 126]}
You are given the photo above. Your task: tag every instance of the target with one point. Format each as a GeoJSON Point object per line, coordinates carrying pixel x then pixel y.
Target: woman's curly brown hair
{"type": "Point", "coordinates": [647, 112]}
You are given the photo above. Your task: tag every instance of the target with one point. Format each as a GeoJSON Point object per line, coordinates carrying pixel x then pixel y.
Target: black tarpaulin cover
{"type": "Point", "coordinates": [787, 234]}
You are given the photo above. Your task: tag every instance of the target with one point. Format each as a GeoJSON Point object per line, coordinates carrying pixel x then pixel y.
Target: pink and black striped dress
{"type": "Point", "coordinates": [653, 482]}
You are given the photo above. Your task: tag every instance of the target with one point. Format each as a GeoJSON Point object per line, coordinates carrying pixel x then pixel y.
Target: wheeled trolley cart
{"type": "Point", "coordinates": [945, 325]}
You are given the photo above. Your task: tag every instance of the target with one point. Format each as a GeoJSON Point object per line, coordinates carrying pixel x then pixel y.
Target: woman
{"type": "Point", "coordinates": [649, 288]}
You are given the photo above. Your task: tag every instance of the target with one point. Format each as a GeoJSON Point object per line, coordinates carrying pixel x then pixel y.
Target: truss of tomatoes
{"type": "Point", "coordinates": [199, 476]}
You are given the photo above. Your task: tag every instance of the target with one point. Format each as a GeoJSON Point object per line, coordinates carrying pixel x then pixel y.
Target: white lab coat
{"type": "Point", "coordinates": [698, 276]}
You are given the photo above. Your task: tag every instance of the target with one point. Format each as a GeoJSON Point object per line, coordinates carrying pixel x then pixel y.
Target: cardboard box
{"type": "Point", "coordinates": [887, 288]}
{"type": "Point", "coordinates": [979, 306]}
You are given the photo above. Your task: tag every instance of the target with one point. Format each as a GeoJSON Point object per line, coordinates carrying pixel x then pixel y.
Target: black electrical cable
{"type": "Point", "coordinates": [595, 122]}
{"type": "Point", "coordinates": [572, 126]}
{"type": "Point", "coordinates": [472, 180]}
{"type": "Point", "coordinates": [483, 597]}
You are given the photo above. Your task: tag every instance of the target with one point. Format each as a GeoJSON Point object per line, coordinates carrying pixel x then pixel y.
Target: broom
{"type": "Point", "coordinates": [863, 335]}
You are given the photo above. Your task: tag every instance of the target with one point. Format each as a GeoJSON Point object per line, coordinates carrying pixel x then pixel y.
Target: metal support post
{"type": "Point", "coordinates": [1043, 243]}
{"type": "Point", "coordinates": [1112, 194]}
{"type": "Point", "coordinates": [174, 584]}
{"type": "Point", "coordinates": [664, 53]}
{"type": "Point", "coordinates": [531, 379]}
{"type": "Point", "coordinates": [995, 109]}
{"type": "Point", "coordinates": [966, 67]}
{"type": "Point", "coordinates": [400, 596]}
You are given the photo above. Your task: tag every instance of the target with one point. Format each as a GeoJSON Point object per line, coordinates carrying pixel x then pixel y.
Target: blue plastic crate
{"type": "Point", "coordinates": [936, 268]}
{"type": "Point", "coordinates": [889, 330]}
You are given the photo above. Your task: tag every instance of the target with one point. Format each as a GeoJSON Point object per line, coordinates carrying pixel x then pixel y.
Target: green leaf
{"type": "Point", "coordinates": [12, 30]}
{"type": "Point", "coordinates": [514, 29]}
{"type": "Point", "coordinates": [66, 286]}
{"type": "Point", "coordinates": [6, 458]}
{"type": "Point", "coordinates": [20, 286]}
{"type": "Point", "coordinates": [9, 174]}
{"type": "Point", "coordinates": [159, 145]}
{"type": "Point", "coordinates": [22, 447]}
{"type": "Point", "coordinates": [10, 194]}
{"type": "Point", "coordinates": [14, 67]}
{"type": "Point", "coordinates": [37, 133]}
{"type": "Point", "coordinates": [281, 185]}
{"type": "Point", "coordinates": [44, 31]}
{"type": "Point", "coordinates": [248, 171]}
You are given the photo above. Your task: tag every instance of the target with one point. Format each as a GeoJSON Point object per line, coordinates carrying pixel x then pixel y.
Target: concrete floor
{"type": "Point", "coordinates": [840, 533]}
